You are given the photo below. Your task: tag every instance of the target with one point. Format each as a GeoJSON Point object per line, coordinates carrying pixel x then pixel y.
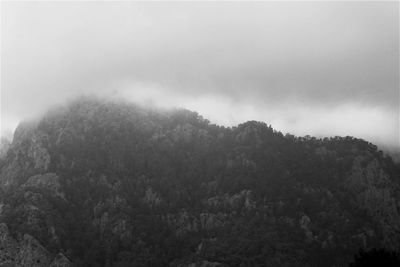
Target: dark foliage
{"type": "Point", "coordinates": [139, 187]}
{"type": "Point", "coordinates": [376, 257]}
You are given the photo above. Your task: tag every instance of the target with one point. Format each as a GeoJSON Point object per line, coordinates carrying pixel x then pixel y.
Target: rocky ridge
{"type": "Point", "coordinates": [113, 184]}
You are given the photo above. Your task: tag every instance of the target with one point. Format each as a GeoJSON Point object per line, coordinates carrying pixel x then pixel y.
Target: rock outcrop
{"type": "Point", "coordinates": [26, 252]}
{"type": "Point", "coordinates": [101, 183]}
{"type": "Point", "coordinates": [48, 181]}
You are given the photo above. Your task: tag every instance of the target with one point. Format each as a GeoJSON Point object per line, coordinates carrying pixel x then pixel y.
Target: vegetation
{"type": "Point", "coordinates": [376, 257]}
{"type": "Point", "coordinates": [114, 184]}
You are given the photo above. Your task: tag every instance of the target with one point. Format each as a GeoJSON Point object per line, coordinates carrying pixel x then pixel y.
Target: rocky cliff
{"type": "Point", "coordinates": [99, 183]}
{"type": "Point", "coordinates": [26, 252]}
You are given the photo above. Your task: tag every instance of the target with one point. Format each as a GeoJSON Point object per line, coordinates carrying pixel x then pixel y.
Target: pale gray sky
{"type": "Point", "coordinates": [318, 68]}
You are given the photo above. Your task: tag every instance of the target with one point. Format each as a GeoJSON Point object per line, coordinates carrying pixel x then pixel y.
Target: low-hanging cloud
{"type": "Point", "coordinates": [318, 68]}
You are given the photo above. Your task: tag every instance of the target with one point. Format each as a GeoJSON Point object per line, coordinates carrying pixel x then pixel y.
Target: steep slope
{"type": "Point", "coordinates": [113, 184]}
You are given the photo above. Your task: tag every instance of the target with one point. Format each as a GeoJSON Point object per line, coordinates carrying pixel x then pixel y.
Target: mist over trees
{"type": "Point", "coordinates": [4, 146]}
{"type": "Point", "coordinates": [105, 183]}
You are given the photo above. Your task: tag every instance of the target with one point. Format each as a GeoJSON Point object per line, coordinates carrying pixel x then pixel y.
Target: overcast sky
{"type": "Point", "coordinates": [318, 68]}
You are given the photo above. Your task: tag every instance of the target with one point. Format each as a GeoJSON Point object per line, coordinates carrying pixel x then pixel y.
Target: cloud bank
{"type": "Point", "coordinates": [318, 68]}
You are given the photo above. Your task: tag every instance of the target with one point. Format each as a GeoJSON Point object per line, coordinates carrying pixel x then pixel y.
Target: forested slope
{"type": "Point", "coordinates": [101, 183]}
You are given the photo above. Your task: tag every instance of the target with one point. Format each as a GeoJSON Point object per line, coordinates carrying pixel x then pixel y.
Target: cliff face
{"type": "Point", "coordinates": [111, 184]}
{"type": "Point", "coordinates": [26, 252]}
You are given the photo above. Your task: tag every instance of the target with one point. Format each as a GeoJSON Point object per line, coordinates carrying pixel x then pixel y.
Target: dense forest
{"type": "Point", "coordinates": [104, 183]}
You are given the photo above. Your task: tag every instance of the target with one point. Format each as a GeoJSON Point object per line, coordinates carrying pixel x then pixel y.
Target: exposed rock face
{"type": "Point", "coordinates": [24, 131]}
{"type": "Point", "coordinates": [38, 153]}
{"type": "Point", "coordinates": [31, 141]}
{"type": "Point", "coordinates": [29, 154]}
{"type": "Point", "coordinates": [112, 184]}
{"type": "Point", "coordinates": [27, 252]}
{"type": "Point", "coordinates": [47, 181]}
{"type": "Point", "coordinates": [4, 147]}
{"type": "Point", "coordinates": [8, 246]}
{"type": "Point", "coordinates": [31, 253]}
{"type": "Point", "coordinates": [60, 261]}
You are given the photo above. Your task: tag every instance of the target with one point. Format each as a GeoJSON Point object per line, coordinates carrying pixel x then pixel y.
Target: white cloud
{"type": "Point", "coordinates": [318, 68]}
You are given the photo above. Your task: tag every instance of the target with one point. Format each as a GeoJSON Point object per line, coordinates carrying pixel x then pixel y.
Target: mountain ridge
{"type": "Point", "coordinates": [114, 184]}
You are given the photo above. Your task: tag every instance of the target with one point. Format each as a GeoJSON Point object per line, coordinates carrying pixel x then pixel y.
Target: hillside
{"type": "Point", "coordinates": [100, 183]}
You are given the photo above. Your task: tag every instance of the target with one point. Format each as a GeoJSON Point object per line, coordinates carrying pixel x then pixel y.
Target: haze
{"type": "Point", "coordinates": [317, 68]}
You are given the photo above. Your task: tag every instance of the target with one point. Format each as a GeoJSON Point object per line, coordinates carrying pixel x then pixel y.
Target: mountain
{"type": "Point", "coordinates": [103, 183]}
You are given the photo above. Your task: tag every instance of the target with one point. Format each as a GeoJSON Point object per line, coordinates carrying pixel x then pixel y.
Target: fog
{"type": "Point", "coordinates": [317, 68]}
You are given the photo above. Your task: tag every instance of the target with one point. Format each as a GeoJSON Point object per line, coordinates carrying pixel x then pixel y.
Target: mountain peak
{"type": "Point", "coordinates": [114, 183]}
